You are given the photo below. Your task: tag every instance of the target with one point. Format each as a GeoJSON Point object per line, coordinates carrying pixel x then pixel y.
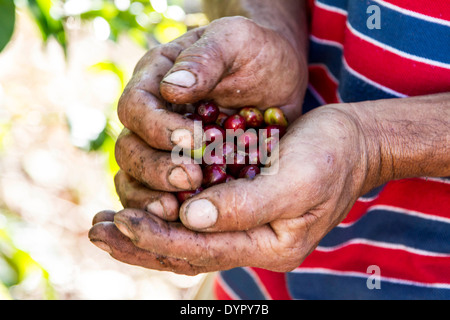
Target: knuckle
{"type": "Point", "coordinates": [125, 147]}
{"type": "Point", "coordinates": [235, 21]}
{"type": "Point", "coordinates": [289, 259]}
{"type": "Point", "coordinates": [129, 103]}
{"type": "Point", "coordinates": [148, 57]}
{"type": "Point", "coordinates": [203, 57]}
{"type": "Point", "coordinates": [170, 50]}
{"type": "Point", "coordinates": [288, 253]}
{"type": "Point", "coordinates": [291, 265]}
{"type": "Point", "coordinates": [124, 105]}
{"type": "Point", "coordinates": [118, 179]}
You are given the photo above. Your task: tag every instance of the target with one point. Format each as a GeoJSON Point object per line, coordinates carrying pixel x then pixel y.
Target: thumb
{"type": "Point", "coordinates": [236, 205]}
{"type": "Point", "coordinates": [199, 68]}
{"type": "Point", "coordinates": [195, 74]}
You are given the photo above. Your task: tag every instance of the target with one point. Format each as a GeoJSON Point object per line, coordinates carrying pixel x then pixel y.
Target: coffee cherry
{"type": "Point", "coordinates": [221, 119]}
{"type": "Point", "coordinates": [249, 172]}
{"type": "Point", "coordinates": [213, 132]}
{"type": "Point", "coordinates": [213, 158]}
{"type": "Point", "coordinates": [247, 140]}
{"type": "Point", "coordinates": [182, 196]}
{"type": "Point", "coordinates": [193, 116]}
{"type": "Point", "coordinates": [208, 111]}
{"type": "Point", "coordinates": [275, 116]}
{"type": "Point", "coordinates": [197, 154]}
{"type": "Point", "coordinates": [235, 164]}
{"type": "Point", "coordinates": [252, 116]}
{"type": "Point", "coordinates": [269, 144]}
{"type": "Point", "coordinates": [271, 130]}
{"type": "Point", "coordinates": [234, 122]}
{"type": "Point", "coordinates": [213, 174]}
{"type": "Point", "coordinates": [229, 148]}
{"type": "Point", "coordinates": [253, 157]}
{"type": "Point", "coordinates": [229, 161]}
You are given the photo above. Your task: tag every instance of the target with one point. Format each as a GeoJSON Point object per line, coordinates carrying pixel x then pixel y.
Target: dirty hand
{"type": "Point", "coordinates": [273, 221]}
{"type": "Point", "coordinates": [233, 61]}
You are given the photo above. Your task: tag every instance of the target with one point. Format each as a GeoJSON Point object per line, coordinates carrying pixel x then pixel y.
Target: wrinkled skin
{"type": "Point", "coordinates": [273, 221]}
{"type": "Point", "coordinates": [150, 121]}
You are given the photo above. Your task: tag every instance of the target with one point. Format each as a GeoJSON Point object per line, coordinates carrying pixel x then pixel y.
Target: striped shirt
{"type": "Point", "coordinates": [395, 241]}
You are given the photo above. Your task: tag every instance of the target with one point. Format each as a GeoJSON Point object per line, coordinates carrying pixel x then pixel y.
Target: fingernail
{"type": "Point", "coordinates": [182, 138]}
{"type": "Point", "coordinates": [179, 178]}
{"type": "Point", "coordinates": [125, 230]}
{"type": "Point", "coordinates": [102, 245]}
{"type": "Point", "coordinates": [181, 78]}
{"type": "Point", "coordinates": [201, 214]}
{"type": "Point", "coordinates": [156, 208]}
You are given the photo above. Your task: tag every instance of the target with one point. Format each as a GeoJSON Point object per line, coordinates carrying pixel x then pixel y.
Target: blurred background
{"type": "Point", "coordinates": [63, 66]}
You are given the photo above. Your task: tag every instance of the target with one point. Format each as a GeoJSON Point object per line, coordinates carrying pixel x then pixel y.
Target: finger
{"type": "Point", "coordinates": [107, 237]}
{"type": "Point", "coordinates": [199, 68]}
{"type": "Point", "coordinates": [133, 194]}
{"type": "Point", "coordinates": [158, 61]}
{"type": "Point", "coordinates": [244, 204]}
{"type": "Point", "coordinates": [154, 168]}
{"type": "Point", "coordinates": [214, 251]}
{"type": "Point", "coordinates": [141, 108]}
{"type": "Point", "coordinates": [223, 66]}
{"type": "Point", "coordinates": [237, 205]}
{"type": "Point", "coordinates": [103, 216]}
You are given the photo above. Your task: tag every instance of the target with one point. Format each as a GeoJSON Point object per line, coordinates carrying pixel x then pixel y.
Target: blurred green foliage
{"type": "Point", "coordinates": [7, 20]}
{"type": "Point", "coordinates": [146, 22]}
{"type": "Point", "coordinates": [19, 272]}
{"type": "Point", "coordinates": [162, 20]}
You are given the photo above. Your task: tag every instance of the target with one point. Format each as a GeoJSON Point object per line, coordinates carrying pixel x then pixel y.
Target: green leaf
{"type": "Point", "coordinates": [168, 30]}
{"type": "Point", "coordinates": [49, 27]}
{"type": "Point", "coordinates": [110, 66]}
{"type": "Point", "coordinates": [17, 265]}
{"type": "Point", "coordinates": [7, 20]}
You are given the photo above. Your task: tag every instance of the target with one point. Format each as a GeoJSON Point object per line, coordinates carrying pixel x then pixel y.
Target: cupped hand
{"type": "Point", "coordinates": [233, 61]}
{"type": "Point", "coordinates": [273, 221]}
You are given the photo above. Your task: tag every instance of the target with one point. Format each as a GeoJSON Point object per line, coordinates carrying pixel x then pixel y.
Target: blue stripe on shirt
{"type": "Point", "coordinates": [339, 4]}
{"type": "Point", "coordinates": [354, 89]}
{"type": "Point", "coordinates": [403, 32]}
{"type": "Point", "coordinates": [319, 286]}
{"type": "Point", "coordinates": [309, 102]}
{"type": "Point", "coordinates": [242, 284]}
{"type": "Point", "coordinates": [329, 55]}
{"type": "Point", "coordinates": [394, 228]}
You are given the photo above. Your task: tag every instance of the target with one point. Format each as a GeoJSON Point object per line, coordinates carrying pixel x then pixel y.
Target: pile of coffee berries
{"type": "Point", "coordinates": [234, 146]}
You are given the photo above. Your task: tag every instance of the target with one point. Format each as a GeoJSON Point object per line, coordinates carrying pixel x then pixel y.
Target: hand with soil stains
{"type": "Point", "coordinates": [234, 61]}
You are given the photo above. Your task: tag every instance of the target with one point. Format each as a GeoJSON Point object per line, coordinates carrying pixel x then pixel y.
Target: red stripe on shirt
{"type": "Point", "coordinates": [426, 197]}
{"type": "Point", "coordinates": [358, 210]}
{"type": "Point", "coordinates": [406, 76]}
{"type": "Point", "coordinates": [436, 9]}
{"type": "Point", "coordinates": [393, 263]}
{"type": "Point", "coordinates": [274, 282]}
{"type": "Point", "coordinates": [219, 290]}
{"type": "Point", "coordinates": [321, 81]}
{"type": "Point", "coordinates": [328, 25]}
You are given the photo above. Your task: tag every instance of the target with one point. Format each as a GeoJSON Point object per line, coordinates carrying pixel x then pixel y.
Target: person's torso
{"type": "Point", "coordinates": [395, 242]}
